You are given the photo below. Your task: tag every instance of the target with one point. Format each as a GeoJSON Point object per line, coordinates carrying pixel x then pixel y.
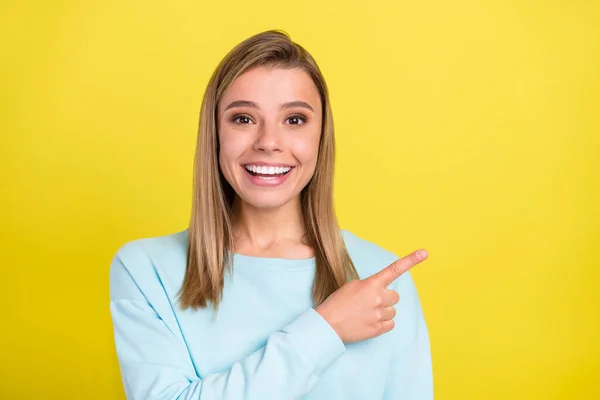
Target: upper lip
{"type": "Point", "coordinates": [267, 164]}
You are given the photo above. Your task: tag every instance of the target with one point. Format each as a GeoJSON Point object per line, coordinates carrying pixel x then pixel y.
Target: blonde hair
{"type": "Point", "coordinates": [210, 231]}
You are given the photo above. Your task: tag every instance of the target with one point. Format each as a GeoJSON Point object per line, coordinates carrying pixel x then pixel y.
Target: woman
{"type": "Point", "coordinates": [263, 296]}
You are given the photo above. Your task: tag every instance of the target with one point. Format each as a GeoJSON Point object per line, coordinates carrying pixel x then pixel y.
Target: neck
{"type": "Point", "coordinates": [259, 228]}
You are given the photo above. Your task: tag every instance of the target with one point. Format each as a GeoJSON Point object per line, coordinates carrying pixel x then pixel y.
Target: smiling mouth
{"type": "Point", "coordinates": [266, 172]}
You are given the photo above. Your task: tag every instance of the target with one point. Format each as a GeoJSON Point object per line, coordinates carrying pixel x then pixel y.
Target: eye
{"type": "Point", "coordinates": [241, 119]}
{"type": "Point", "coordinates": [296, 119]}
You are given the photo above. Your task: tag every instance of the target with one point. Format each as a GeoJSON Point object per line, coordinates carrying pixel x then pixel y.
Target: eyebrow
{"type": "Point", "coordinates": [291, 104]}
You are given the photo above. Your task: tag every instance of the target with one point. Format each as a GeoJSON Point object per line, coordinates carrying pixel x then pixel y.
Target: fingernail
{"type": "Point", "coordinates": [422, 254]}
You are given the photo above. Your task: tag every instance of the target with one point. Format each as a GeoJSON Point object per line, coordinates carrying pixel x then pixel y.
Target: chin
{"type": "Point", "coordinates": [266, 201]}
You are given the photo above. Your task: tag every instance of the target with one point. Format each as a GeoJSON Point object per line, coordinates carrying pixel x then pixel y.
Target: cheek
{"type": "Point", "coordinates": [230, 150]}
{"type": "Point", "coordinates": [306, 149]}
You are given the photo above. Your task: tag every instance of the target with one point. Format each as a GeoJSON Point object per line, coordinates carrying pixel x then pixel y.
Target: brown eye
{"type": "Point", "coordinates": [241, 119]}
{"type": "Point", "coordinates": [296, 120]}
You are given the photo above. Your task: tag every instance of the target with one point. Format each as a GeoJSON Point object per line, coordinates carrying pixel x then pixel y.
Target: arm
{"type": "Point", "coordinates": [410, 375]}
{"type": "Point", "coordinates": [155, 364]}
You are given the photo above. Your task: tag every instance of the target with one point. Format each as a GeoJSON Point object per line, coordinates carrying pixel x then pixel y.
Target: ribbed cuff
{"type": "Point", "coordinates": [316, 339]}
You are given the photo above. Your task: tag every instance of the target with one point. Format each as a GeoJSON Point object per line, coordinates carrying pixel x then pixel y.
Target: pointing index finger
{"type": "Point", "coordinates": [393, 271]}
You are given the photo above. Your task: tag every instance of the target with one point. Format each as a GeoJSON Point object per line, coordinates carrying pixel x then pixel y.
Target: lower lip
{"type": "Point", "coordinates": [270, 181]}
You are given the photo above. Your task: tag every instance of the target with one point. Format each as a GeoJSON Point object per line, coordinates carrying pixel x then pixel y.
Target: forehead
{"type": "Point", "coordinates": [273, 87]}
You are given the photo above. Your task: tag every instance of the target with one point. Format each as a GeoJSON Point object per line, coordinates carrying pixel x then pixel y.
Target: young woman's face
{"type": "Point", "coordinates": [269, 131]}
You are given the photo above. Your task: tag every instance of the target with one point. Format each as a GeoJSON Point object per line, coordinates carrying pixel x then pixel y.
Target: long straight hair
{"type": "Point", "coordinates": [210, 236]}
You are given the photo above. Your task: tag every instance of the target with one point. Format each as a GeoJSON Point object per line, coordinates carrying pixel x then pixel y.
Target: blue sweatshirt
{"type": "Point", "coordinates": [266, 341]}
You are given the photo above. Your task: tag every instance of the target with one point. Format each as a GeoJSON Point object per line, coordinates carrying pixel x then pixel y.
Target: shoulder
{"type": "Point", "coordinates": [153, 248]}
{"type": "Point", "coordinates": [146, 264]}
{"type": "Point", "coordinates": [367, 257]}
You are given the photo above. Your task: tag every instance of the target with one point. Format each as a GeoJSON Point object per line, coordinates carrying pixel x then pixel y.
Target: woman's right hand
{"type": "Point", "coordinates": [363, 309]}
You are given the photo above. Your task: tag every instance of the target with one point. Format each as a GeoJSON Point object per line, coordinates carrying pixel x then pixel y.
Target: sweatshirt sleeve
{"type": "Point", "coordinates": [410, 375]}
{"type": "Point", "coordinates": [155, 363]}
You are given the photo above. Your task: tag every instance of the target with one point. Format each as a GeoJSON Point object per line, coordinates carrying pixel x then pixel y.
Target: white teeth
{"type": "Point", "coordinates": [264, 170]}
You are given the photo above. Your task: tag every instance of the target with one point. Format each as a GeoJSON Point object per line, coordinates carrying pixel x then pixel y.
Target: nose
{"type": "Point", "coordinates": [268, 139]}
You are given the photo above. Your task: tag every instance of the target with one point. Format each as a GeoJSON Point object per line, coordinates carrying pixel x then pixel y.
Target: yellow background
{"type": "Point", "coordinates": [468, 128]}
